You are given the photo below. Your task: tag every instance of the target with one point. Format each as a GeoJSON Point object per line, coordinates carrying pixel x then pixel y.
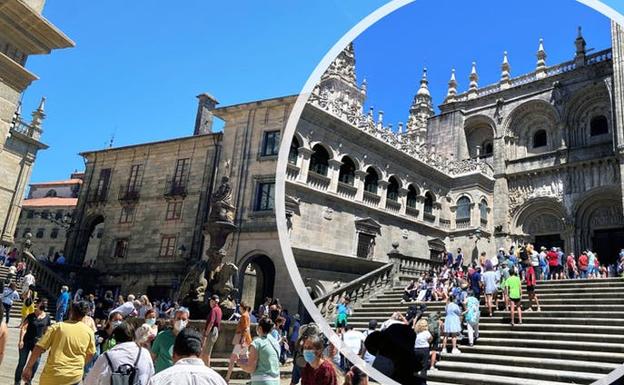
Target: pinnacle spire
{"type": "Point", "coordinates": [39, 114]}
{"type": "Point", "coordinates": [420, 111]}
{"type": "Point", "coordinates": [541, 60]}
{"type": "Point", "coordinates": [424, 84]}
{"type": "Point", "coordinates": [580, 44]}
{"type": "Point", "coordinates": [474, 79]}
{"type": "Point", "coordinates": [452, 88]}
{"type": "Point", "coordinates": [505, 72]}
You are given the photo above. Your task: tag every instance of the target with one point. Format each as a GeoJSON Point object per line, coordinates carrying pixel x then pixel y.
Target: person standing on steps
{"type": "Point", "coordinates": [571, 264]}
{"type": "Point", "coordinates": [489, 282]}
{"type": "Point", "coordinates": [531, 281]}
{"type": "Point", "coordinates": [452, 325]}
{"type": "Point", "coordinates": [9, 295]}
{"type": "Point", "coordinates": [471, 316]}
{"type": "Point", "coordinates": [514, 287]}
{"type": "Point", "coordinates": [211, 331]}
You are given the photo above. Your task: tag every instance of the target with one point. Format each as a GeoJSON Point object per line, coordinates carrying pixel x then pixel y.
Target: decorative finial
{"type": "Point", "coordinates": [474, 78]}
{"type": "Point", "coordinates": [41, 107]}
{"type": "Point", "coordinates": [541, 60]}
{"type": "Point", "coordinates": [39, 114]}
{"type": "Point", "coordinates": [505, 72]}
{"type": "Point", "coordinates": [452, 88]}
{"type": "Point", "coordinates": [580, 44]}
{"type": "Point", "coordinates": [424, 84]}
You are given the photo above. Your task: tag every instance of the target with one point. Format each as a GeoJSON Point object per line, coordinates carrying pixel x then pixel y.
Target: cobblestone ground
{"type": "Point", "coordinates": [7, 369]}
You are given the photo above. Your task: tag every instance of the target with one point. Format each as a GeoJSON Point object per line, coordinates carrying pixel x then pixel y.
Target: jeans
{"type": "Point", "coordinates": [23, 357]}
{"type": "Point", "coordinates": [583, 273]}
{"type": "Point", "coordinates": [473, 331]}
{"type": "Point", "coordinates": [7, 312]}
{"type": "Point", "coordinates": [60, 314]}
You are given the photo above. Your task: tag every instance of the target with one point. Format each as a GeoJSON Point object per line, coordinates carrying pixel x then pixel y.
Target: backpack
{"type": "Point", "coordinates": [125, 374]}
{"type": "Point", "coordinates": [432, 321]}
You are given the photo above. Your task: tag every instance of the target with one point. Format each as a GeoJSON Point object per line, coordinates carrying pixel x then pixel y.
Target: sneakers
{"type": "Point", "coordinates": [456, 351]}
{"type": "Point", "coordinates": [433, 369]}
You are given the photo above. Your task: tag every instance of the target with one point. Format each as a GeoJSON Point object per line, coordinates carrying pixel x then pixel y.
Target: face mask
{"type": "Point", "coordinates": [179, 325]}
{"type": "Point", "coordinates": [150, 321]}
{"type": "Point", "coordinates": [116, 323]}
{"type": "Point", "coordinates": [309, 356]}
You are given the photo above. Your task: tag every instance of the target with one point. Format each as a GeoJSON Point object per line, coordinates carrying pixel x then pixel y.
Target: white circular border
{"type": "Point", "coordinates": [280, 177]}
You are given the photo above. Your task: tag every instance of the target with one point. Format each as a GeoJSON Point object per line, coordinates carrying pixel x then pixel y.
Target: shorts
{"type": "Point", "coordinates": [341, 323]}
{"type": "Point", "coordinates": [531, 289]}
{"type": "Point", "coordinates": [516, 300]}
{"type": "Point", "coordinates": [210, 341]}
{"type": "Point", "coordinates": [435, 343]}
{"type": "Point", "coordinates": [451, 335]}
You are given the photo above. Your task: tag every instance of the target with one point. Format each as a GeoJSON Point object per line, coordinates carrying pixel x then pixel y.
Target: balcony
{"type": "Point", "coordinates": [292, 172]}
{"type": "Point", "coordinates": [97, 196]}
{"type": "Point", "coordinates": [393, 206]}
{"type": "Point", "coordinates": [445, 224]}
{"type": "Point", "coordinates": [346, 191]}
{"type": "Point", "coordinates": [484, 222]}
{"type": "Point", "coordinates": [371, 199]}
{"type": "Point", "coordinates": [462, 223]}
{"type": "Point", "coordinates": [318, 181]}
{"type": "Point", "coordinates": [128, 193]}
{"type": "Point", "coordinates": [428, 217]}
{"type": "Point", "coordinates": [176, 187]}
{"type": "Point", "coordinates": [411, 211]}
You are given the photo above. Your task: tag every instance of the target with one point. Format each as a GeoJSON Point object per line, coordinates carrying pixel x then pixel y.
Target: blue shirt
{"type": "Point", "coordinates": [63, 300]}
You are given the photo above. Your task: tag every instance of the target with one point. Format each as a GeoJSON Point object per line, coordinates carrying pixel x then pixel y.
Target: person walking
{"type": "Point", "coordinates": [263, 360]}
{"type": "Point", "coordinates": [211, 330]}
{"type": "Point", "coordinates": [28, 281]}
{"type": "Point", "coordinates": [571, 264]}
{"type": "Point", "coordinates": [514, 287]}
{"type": "Point", "coordinates": [452, 325]}
{"type": "Point", "coordinates": [471, 316]}
{"type": "Point", "coordinates": [126, 354]}
{"type": "Point", "coordinates": [489, 281]}
{"type": "Point", "coordinates": [583, 265]}
{"type": "Point", "coordinates": [62, 304]}
{"type": "Point", "coordinates": [164, 341]}
{"type": "Point", "coordinates": [189, 368]}
{"type": "Point", "coordinates": [531, 281]}
{"type": "Point", "coordinates": [71, 346]}
{"type": "Point", "coordinates": [318, 370]}
{"type": "Point", "coordinates": [421, 346]}
{"type": "Point", "coordinates": [31, 330]}
{"type": "Point", "coordinates": [9, 295]}
{"type": "Point", "coordinates": [29, 298]}
{"type": "Point", "coordinates": [242, 339]}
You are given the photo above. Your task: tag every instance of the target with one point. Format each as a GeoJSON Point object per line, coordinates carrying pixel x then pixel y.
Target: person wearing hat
{"type": "Point", "coordinates": [211, 331]}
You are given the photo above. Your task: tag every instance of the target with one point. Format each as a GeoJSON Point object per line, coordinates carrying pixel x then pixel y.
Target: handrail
{"type": "Point", "coordinates": [357, 290]}
{"type": "Point", "coordinates": [45, 277]}
{"type": "Point", "coordinates": [412, 266]}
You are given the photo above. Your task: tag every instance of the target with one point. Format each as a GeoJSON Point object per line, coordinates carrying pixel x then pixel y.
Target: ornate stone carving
{"type": "Point", "coordinates": [606, 216]}
{"type": "Point", "coordinates": [528, 187]}
{"type": "Point", "coordinates": [221, 202]}
{"type": "Point", "coordinates": [543, 224]}
{"type": "Point", "coordinates": [404, 233]}
{"type": "Point", "coordinates": [328, 213]}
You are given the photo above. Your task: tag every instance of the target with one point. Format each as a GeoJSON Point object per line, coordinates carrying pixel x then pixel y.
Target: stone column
{"type": "Point", "coordinates": [403, 200]}
{"type": "Point", "coordinates": [617, 44]}
{"type": "Point", "coordinates": [420, 206]}
{"type": "Point", "coordinates": [359, 184]}
{"type": "Point", "coordinates": [475, 220]}
{"type": "Point", "coordinates": [305, 154]}
{"type": "Point", "coordinates": [333, 174]}
{"type": "Point", "coordinates": [453, 218]}
{"type": "Point", "coordinates": [437, 206]}
{"type": "Point", "coordinates": [382, 191]}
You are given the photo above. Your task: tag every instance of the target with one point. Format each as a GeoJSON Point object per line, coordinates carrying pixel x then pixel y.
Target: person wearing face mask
{"type": "Point", "coordinates": [62, 304]}
{"type": "Point", "coordinates": [126, 352]}
{"type": "Point", "coordinates": [263, 360]}
{"type": "Point", "coordinates": [162, 348]}
{"type": "Point", "coordinates": [104, 337]}
{"type": "Point", "coordinates": [31, 329]}
{"type": "Point", "coordinates": [189, 368]}
{"type": "Point", "coordinates": [318, 370]}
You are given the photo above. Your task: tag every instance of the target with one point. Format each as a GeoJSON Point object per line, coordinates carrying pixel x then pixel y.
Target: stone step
{"type": "Point", "coordinates": [546, 300]}
{"type": "Point", "coordinates": [542, 293]}
{"type": "Point", "coordinates": [528, 319]}
{"type": "Point", "coordinates": [554, 344]}
{"type": "Point", "coordinates": [547, 307]}
{"type": "Point", "coordinates": [529, 335]}
{"type": "Point", "coordinates": [580, 354]}
{"type": "Point", "coordinates": [519, 372]}
{"type": "Point", "coordinates": [533, 362]}
{"type": "Point", "coordinates": [616, 317]}
{"type": "Point", "coordinates": [568, 328]}
{"type": "Point", "coordinates": [468, 378]}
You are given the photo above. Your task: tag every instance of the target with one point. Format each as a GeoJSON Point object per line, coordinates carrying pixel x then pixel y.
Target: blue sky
{"type": "Point", "coordinates": [137, 66]}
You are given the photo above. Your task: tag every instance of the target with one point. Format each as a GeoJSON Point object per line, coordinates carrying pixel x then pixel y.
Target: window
{"type": "Point", "coordinates": [40, 233]}
{"type": "Point", "coordinates": [45, 214]}
{"type": "Point", "coordinates": [181, 171]}
{"type": "Point", "coordinates": [99, 234]}
{"type": "Point", "coordinates": [411, 197]}
{"type": "Point", "coordinates": [102, 184]}
{"type": "Point", "coordinates": [134, 178]}
{"type": "Point", "coordinates": [30, 214]}
{"type": "Point", "coordinates": [26, 231]}
{"type": "Point", "coordinates": [347, 171]}
{"type": "Point", "coordinates": [54, 233]}
{"type": "Point", "coordinates": [540, 139]}
{"type": "Point", "coordinates": [127, 214]}
{"type": "Point", "coordinates": [174, 211]}
{"type": "Point", "coordinates": [270, 143]}
{"type": "Point", "coordinates": [293, 153]}
{"type": "Point", "coordinates": [319, 161]}
{"type": "Point", "coordinates": [265, 196]}
{"type": "Point", "coordinates": [483, 208]}
{"type": "Point", "coordinates": [428, 207]}
{"type": "Point", "coordinates": [599, 125]}
{"type": "Point", "coordinates": [121, 248]}
{"type": "Point", "coordinates": [59, 215]}
{"type": "Point", "coordinates": [371, 180]}
{"type": "Point", "coordinates": [167, 246]}
{"type": "Point", "coordinates": [393, 189]}
{"type": "Point", "coordinates": [463, 208]}
{"type": "Point", "coordinates": [366, 245]}
{"type": "Point", "coordinates": [487, 149]}
{"type": "Point", "coordinates": [51, 194]}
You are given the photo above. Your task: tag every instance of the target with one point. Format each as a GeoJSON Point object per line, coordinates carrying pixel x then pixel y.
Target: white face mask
{"type": "Point", "coordinates": [179, 325]}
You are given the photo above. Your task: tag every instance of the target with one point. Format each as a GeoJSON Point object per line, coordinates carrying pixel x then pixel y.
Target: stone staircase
{"type": "Point", "coordinates": [577, 338]}
{"type": "Point", "coordinates": [16, 309]}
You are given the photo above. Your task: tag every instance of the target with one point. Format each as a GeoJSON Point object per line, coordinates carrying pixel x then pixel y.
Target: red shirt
{"type": "Point", "coordinates": [530, 276]}
{"type": "Point", "coordinates": [215, 317]}
{"type": "Point", "coordinates": [583, 262]}
{"type": "Point", "coordinates": [571, 262]}
{"type": "Point", "coordinates": [553, 258]}
{"type": "Point", "coordinates": [323, 375]}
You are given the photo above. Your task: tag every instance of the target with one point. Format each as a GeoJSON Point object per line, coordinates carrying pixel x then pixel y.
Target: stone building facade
{"type": "Point", "coordinates": [46, 214]}
{"type": "Point", "coordinates": [531, 158]}
{"type": "Point", "coordinates": [23, 32]}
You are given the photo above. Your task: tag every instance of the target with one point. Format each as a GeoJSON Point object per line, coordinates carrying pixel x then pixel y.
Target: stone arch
{"type": "Point", "coordinates": [346, 173]}
{"type": "Point", "coordinates": [527, 119]}
{"type": "Point", "coordinates": [84, 236]}
{"type": "Point", "coordinates": [479, 130]}
{"type": "Point", "coordinates": [542, 221]}
{"type": "Point", "coordinates": [380, 172]}
{"type": "Point", "coordinates": [256, 278]}
{"type": "Point", "coordinates": [586, 104]}
{"type": "Point", "coordinates": [599, 222]}
{"type": "Point", "coordinates": [327, 147]}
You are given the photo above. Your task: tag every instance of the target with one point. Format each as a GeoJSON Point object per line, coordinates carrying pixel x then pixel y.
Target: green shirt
{"type": "Point", "coordinates": [163, 348]}
{"type": "Point", "coordinates": [268, 361]}
{"type": "Point", "coordinates": [513, 283]}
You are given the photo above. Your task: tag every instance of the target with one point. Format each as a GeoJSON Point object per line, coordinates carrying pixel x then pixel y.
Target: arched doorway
{"type": "Point", "coordinates": [542, 222]}
{"type": "Point", "coordinates": [256, 279]}
{"type": "Point", "coordinates": [90, 232]}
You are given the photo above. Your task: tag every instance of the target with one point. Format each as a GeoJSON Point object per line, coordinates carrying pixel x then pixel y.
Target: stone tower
{"type": "Point", "coordinates": [420, 112]}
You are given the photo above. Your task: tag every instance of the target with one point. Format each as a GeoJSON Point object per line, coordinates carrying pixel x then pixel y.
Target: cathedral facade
{"type": "Point", "coordinates": [532, 158]}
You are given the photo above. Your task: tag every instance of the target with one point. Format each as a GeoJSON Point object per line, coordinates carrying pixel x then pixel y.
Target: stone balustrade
{"type": "Point", "coordinates": [346, 190]}
{"type": "Point", "coordinates": [408, 267]}
{"type": "Point", "coordinates": [46, 278]}
{"type": "Point", "coordinates": [318, 181]}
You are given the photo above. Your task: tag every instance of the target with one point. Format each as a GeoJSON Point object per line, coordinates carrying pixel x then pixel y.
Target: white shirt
{"type": "Point", "coordinates": [125, 309]}
{"type": "Point", "coordinates": [353, 340]}
{"type": "Point", "coordinates": [188, 371]}
{"type": "Point", "coordinates": [124, 353]}
{"type": "Point", "coordinates": [27, 281]}
{"type": "Point", "coordinates": [422, 339]}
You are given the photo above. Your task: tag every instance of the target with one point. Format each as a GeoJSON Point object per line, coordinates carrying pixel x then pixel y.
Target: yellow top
{"type": "Point", "coordinates": [69, 343]}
